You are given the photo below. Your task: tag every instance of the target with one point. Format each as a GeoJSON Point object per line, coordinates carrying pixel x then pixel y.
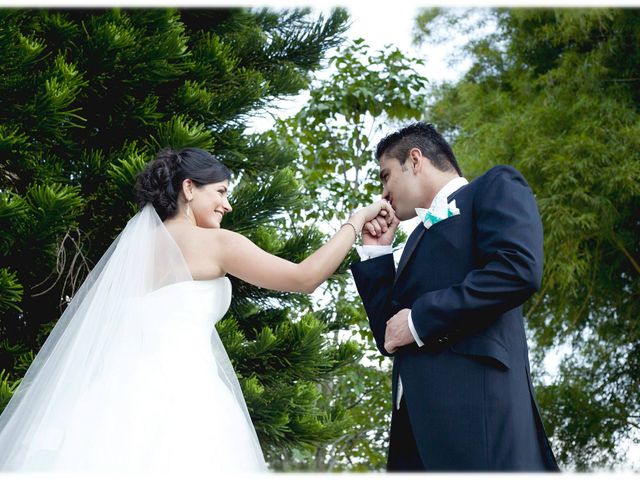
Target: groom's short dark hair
{"type": "Point", "coordinates": [423, 136]}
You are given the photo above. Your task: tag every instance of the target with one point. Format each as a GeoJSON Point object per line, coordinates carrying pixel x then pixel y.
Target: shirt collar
{"type": "Point", "coordinates": [451, 187]}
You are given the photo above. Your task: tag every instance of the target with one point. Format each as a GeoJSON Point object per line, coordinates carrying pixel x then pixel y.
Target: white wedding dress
{"type": "Point", "coordinates": [152, 393]}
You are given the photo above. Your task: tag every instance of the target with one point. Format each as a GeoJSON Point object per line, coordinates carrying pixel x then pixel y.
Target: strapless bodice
{"type": "Point", "coordinates": [201, 301]}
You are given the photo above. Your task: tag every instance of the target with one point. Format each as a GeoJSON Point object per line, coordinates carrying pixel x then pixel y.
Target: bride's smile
{"type": "Point", "coordinates": [207, 204]}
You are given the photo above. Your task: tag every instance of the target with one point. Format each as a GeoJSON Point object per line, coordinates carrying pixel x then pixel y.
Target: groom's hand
{"type": "Point", "coordinates": [398, 333]}
{"type": "Point", "coordinates": [380, 230]}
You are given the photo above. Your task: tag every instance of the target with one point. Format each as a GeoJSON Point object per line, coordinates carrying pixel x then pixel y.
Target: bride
{"type": "Point", "coordinates": [101, 394]}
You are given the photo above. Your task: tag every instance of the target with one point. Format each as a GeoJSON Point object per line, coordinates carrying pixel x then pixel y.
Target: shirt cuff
{"type": "Point", "coordinates": [367, 252]}
{"type": "Point", "coordinates": [413, 331]}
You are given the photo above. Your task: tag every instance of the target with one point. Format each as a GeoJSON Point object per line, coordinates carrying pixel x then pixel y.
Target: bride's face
{"type": "Point", "coordinates": [210, 204]}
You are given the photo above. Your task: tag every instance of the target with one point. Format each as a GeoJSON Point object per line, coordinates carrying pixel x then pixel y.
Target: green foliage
{"type": "Point", "coordinates": [11, 291]}
{"type": "Point", "coordinates": [334, 135]}
{"type": "Point", "coordinates": [267, 196]}
{"type": "Point", "coordinates": [577, 409]}
{"type": "Point", "coordinates": [7, 387]}
{"type": "Point", "coordinates": [362, 393]}
{"type": "Point", "coordinates": [556, 94]}
{"type": "Point", "coordinates": [18, 358]}
{"type": "Point", "coordinates": [87, 97]}
{"type": "Point", "coordinates": [278, 364]}
{"type": "Point", "coordinates": [366, 394]}
{"type": "Point", "coordinates": [336, 130]}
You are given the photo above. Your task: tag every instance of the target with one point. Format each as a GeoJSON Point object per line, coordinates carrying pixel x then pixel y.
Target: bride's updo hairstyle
{"type": "Point", "coordinates": [161, 180]}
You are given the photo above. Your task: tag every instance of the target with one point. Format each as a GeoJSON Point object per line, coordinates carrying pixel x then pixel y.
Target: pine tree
{"type": "Point", "coordinates": [87, 97]}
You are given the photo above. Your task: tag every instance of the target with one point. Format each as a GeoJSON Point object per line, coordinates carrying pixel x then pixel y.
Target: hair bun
{"type": "Point", "coordinates": [155, 184]}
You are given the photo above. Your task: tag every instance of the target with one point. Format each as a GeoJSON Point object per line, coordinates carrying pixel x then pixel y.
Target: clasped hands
{"type": "Point", "coordinates": [380, 231]}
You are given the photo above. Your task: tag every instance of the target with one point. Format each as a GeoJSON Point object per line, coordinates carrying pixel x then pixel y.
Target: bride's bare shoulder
{"type": "Point", "coordinates": [206, 242]}
{"type": "Point", "coordinates": [220, 235]}
{"type": "Point", "coordinates": [201, 248]}
{"type": "Point", "coordinates": [203, 242]}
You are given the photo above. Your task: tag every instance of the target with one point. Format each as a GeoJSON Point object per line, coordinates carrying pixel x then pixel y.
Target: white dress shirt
{"type": "Point", "coordinates": [368, 252]}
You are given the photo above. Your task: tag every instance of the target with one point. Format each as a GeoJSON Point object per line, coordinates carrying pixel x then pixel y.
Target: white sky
{"type": "Point", "coordinates": [380, 25]}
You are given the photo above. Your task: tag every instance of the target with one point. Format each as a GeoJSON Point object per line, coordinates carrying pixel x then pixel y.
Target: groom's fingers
{"type": "Point", "coordinates": [369, 228]}
{"type": "Point", "coordinates": [372, 228]}
{"type": "Point", "coordinates": [377, 226]}
{"type": "Point", "coordinates": [388, 344]}
{"type": "Point", "coordinates": [384, 222]}
{"type": "Point", "coordinates": [387, 213]}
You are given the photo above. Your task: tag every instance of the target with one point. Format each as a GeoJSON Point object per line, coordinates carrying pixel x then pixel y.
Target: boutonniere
{"type": "Point", "coordinates": [439, 211]}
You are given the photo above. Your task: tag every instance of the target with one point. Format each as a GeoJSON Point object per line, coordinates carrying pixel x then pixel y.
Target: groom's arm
{"type": "Point", "coordinates": [374, 281]}
{"type": "Point", "coordinates": [509, 245]}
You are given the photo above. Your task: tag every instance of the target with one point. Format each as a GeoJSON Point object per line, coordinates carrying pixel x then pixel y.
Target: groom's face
{"type": "Point", "coordinates": [400, 186]}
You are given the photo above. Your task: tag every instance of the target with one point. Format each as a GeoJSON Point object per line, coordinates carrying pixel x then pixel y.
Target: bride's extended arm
{"type": "Point", "coordinates": [240, 257]}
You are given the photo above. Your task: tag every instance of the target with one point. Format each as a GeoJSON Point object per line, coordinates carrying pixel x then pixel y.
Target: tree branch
{"type": "Point", "coordinates": [585, 303]}
{"type": "Point", "coordinates": [538, 300]}
{"type": "Point", "coordinates": [360, 398]}
{"type": "Point", "coordinates": [620, 245]}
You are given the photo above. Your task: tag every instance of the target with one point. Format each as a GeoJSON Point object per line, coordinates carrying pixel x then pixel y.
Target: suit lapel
{"type": "Point", "coordinates": [414, 240]}
{"type": "Point", "coordinates": [409, 248]}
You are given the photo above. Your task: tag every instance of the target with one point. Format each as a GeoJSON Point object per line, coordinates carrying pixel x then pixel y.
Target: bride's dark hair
{"type": "Point", "coordinates": [161, 180]}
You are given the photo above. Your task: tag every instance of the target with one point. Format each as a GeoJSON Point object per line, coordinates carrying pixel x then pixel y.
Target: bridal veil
{"type": "Point", "coordinates": [86, 361]}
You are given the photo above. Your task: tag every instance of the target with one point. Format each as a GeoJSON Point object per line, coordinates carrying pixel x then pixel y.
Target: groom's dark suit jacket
{"type": "Point", "coordinates": [468, 390]}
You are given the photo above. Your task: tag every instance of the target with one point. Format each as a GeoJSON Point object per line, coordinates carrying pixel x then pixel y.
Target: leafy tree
{"type": "Point", "coordinates": [335, 133]}
{"type": "Point", "coordinates": [87, 97]}
{"type": "Point", "coordinates": [556, 93]}
{"type": "Point", "coordinates": [361, 391]}
{"type": "Point", "coordinates": [365, 393]}
{"type": "Point", "coordinates": [341, 122]}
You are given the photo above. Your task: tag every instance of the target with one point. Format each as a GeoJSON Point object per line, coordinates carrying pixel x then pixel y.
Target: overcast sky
{"type": "Point", "coordinates": [380, 26]}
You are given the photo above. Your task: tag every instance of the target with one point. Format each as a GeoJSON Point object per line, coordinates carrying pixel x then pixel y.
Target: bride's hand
{"type": "Point", "coordinates": [381, 210]}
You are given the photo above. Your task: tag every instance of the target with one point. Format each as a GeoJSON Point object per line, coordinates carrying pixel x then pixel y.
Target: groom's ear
{"type": "Point", "coordinates": [416, 160]}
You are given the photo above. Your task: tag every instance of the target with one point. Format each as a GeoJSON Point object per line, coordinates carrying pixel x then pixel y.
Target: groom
{"type": "Point", "coordinates": [451, 313]}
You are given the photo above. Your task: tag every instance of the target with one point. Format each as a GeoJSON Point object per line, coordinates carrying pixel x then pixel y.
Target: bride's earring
{"type": "Point", "coordinates": [188, 208]}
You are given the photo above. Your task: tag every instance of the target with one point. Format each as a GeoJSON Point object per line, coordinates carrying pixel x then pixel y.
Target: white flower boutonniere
{"type": "Point", "coordinates": [439, 211]}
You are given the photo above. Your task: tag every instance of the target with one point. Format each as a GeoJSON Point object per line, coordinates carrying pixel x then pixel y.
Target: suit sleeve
{"type": "Point", "coordinates": [374, 281]}
{"type": "Point", "coordinates": [508, 233]}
